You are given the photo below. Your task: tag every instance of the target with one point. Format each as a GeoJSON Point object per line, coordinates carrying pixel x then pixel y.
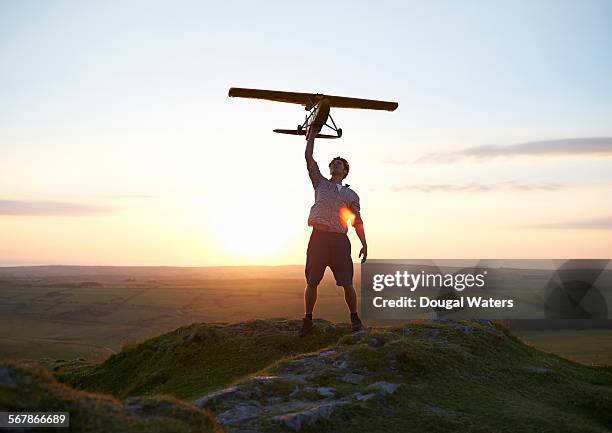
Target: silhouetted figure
{"type": "Point", "coordinates": [329, 244]}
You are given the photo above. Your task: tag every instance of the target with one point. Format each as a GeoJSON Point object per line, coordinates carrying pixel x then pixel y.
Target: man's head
{"type": "Point", "coordinates": [339, 166]}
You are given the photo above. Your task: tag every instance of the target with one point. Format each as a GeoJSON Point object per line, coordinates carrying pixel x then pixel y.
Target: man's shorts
{"type": "Point", "coordinates": [329, 249]}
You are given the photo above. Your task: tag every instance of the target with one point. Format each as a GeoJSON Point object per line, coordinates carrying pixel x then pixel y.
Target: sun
{"type": "Point", "coordinates": [254, 234]}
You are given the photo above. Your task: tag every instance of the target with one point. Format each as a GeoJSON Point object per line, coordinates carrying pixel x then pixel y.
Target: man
{"type": "Point", "coordinates": [329, 244]}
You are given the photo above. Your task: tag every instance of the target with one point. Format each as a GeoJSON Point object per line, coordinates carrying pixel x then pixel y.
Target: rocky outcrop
{"type": "Point", "coordinates": [309, 389]}
{"type": "Point", "coordinates": [422, 377]}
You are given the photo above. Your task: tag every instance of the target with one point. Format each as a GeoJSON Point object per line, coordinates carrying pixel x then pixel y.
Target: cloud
{"type": "Point", "coordinates": [480, 187]}
{"type": "Point", "coordinates": [50, 208]}
{"type": "Point", "coordinates": [589, 224]}
{"type": "Point", "coordinates": [570, 146]}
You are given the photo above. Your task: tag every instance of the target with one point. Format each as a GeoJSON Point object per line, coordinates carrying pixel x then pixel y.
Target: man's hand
{"type": "Point", "coordinates": [364, 245]}
{"type": "Point", "coordinates": [364, 253]}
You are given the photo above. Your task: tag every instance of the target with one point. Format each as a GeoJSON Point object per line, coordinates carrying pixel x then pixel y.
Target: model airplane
{"type": "Point", "coordinates": [317, 105]}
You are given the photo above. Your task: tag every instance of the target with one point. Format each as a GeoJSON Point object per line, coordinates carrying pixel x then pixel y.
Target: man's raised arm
{"type": "Point", "coordinates": [311, 164]}
{"type": "Point", "coordinates": [310, 138]}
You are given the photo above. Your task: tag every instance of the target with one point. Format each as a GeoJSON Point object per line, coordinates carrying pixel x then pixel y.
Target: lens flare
{"type": "Point", "coordinates": [346, 216]}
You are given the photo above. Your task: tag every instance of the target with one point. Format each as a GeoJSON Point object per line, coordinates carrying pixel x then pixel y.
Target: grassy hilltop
{"type": "Point", "coordinates": [442, 376]}
{"type": "Point", "coordinates": [199, 358]}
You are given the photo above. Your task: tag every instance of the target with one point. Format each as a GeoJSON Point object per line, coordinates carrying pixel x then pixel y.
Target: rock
{"type": "Point", "coordinates": [375, 342]}
{"type": "Point", "coordinates": [297, 420]}
{"type": "Point", "coordinates": [353, 378]}
{"type": "Point", "coordinates": [359, 336]}
{"type": "Point", "coordinates": [215, 396]}
{"type": "Point", "coordinates": [286, 407]}
{"type": "Point", "coordinates": [384, 387]}
{"type": "Point", "coordinates": [365, 397]}
{"type": "Point", "coordinates": [265, 379]}
{"type": "Point", "coordinates": [327, 353]}
{"type": "Point", "coordinates": [340, 364]}
{"type": "Point", "coordinates": [240, 413]}
{"type": "Point", "coordinates": [133, 406]}
{"type": "Point", "coordinates": [407, 331]}
{"type": "Point", "coordinates": [295, 377]}
{"type": "Point", "coordinates": [326, 391]}
{"type": "Point", "coordinates": [6, 379]}
{"type": "Point", "coordinates": [330, 328]}
{"type": "Point", "coordinates": [256, 391]}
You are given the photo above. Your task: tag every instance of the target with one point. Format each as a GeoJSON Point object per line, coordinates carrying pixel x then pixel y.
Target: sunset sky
{"type": "Point", "coordinates": [119, 145]}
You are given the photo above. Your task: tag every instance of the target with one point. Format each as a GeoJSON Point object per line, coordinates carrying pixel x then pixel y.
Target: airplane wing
{"type": "Point", "coordinates": [274, 95]}
{"type": "Point", "coordinates": [365, 104]}
{"type": "Point", "coordinates": [306, 99]}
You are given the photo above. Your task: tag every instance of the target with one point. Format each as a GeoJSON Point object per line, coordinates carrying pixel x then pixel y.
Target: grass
{"type": "Point", "coordinates": [35, 389]}
{"type": "Point", "coordinates": [480, 381]}
{"type": "Point", "coordinates": [193, 360]}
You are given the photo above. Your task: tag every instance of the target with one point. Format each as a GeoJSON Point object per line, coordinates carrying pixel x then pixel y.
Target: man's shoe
{"type": "Point", "coordinates": [307, 326]}
{"type": "Point", "coordinates": [356, 324]}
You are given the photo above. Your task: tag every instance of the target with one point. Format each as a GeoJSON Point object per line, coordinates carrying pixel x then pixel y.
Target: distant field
{"type": "Point", "coordinates": [90, 312]}
{"type": "Point", "coordinates": [65, 312]}
{"type": "Point", "coordinates": [37, 349]}
{"type": "Point", "coordinates": [587, 346]}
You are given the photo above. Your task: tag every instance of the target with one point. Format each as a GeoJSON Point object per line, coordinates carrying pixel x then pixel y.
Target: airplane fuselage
{"type": "Point", "coordinates": [321, 113]}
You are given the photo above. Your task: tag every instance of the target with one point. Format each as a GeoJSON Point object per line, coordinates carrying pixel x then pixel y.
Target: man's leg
{"type": "Point", "coordinates": [316, 262]}
{"type": "Point", "coordinates": [342, 267]}
{"type": "Point", "coordinates": [351, 301]}
{"type": "Point", "coordinates": [350, 297]}
{"type": "Point", "coordinates": [310, 298]}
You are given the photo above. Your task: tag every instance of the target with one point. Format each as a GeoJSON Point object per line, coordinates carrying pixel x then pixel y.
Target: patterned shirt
{"type": "Point", "coordinates": [333, 205]}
